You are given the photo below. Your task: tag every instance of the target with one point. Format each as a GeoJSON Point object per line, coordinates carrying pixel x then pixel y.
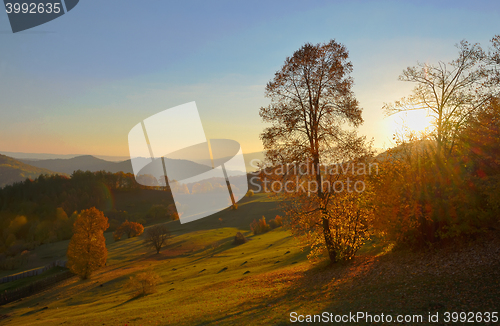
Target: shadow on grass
{"type": "Point", "coordinates": [34, 311]}
{"type": "Point", "coordinates": [312, 285]}
{"type": "Point", "coordinates": [135, 297]}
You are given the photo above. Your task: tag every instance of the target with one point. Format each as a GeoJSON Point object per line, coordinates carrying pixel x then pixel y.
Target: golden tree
{"type": "Point", "coordinates": [311, 102]}
{"type": "Point", "coordinates": [143, 283]}
{"type": "Point", "coordinates": [131, 229]}
{"type": "Point", "coordinates": [87, 249]}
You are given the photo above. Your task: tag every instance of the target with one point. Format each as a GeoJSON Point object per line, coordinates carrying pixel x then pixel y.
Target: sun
{"type": "Point", "coordinates": [416, 121]}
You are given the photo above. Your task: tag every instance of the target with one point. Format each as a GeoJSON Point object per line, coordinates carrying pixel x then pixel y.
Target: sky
{"type": "Point", "coordinates": [80, 83]}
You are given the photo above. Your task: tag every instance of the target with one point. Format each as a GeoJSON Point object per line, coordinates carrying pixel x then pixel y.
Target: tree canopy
{"type": "Point", "coordinates": [311, 104]}
{"type": "Point", "coordinates": [87, 248]}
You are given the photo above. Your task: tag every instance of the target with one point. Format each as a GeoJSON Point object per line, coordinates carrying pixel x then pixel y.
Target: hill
{"type": "Point", "coordinates": [206, 280]}
{"type": "Point", "coordinates": [94, 164]}
{"type": "Point", "coordinates": [84, 163]}
{"type": "Point", "coordinates": [12, 170]}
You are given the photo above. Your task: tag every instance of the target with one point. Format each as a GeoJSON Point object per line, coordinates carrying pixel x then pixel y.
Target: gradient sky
{"type": "Point", "coordinates": [78, 84]}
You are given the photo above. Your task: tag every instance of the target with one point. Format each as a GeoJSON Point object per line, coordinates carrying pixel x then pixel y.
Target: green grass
{"type": "Point", "coordinates": [206, 280]}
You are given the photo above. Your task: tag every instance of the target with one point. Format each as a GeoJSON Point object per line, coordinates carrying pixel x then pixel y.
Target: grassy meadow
{"type": "Point", "coordinates": [206, 280]}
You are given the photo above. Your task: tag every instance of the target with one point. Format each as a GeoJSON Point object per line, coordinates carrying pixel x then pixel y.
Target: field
{"type": "Point", "coordinates": [208, 280]}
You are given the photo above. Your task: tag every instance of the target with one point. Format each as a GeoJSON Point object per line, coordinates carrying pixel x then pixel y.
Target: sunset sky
{"type": "Point", "coordinates": [78, 84]}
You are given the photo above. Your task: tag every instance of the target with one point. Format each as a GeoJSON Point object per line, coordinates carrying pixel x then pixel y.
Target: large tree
{"type": "Point", "coordinates": [311, 101]}
{"type": "Point", "coordinates": [87, 248]}
{"type": "Point", "coordinates": [451, 92]}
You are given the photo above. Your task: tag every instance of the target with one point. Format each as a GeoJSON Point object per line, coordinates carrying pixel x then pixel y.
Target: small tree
{"type": "Point", "coordinates": [143, 283]}
{"type": "Point", "coordinates": [156, 237]}
{"type": "Point", "coordinates": [131, 229]}
{"type": "Point", "coordinates": [87, 248]}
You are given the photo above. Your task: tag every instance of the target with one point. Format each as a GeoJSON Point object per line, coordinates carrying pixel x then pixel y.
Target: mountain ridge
{"type": "Point", "coordinates": [12, 170]}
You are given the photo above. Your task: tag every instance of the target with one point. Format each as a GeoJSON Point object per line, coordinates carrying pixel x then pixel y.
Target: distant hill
{"type": "Point", "coordinates": [48, 156]}
{"type": "Point", "coordinates": [84, 163]}
{"type": "Point", "coordinates": [93, 164]}
{"type": "Point", "coordinates": [12, 170]}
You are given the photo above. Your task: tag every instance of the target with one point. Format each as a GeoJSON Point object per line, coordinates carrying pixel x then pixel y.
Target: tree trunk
{"type": "Point", "coordinates": [332, 253]}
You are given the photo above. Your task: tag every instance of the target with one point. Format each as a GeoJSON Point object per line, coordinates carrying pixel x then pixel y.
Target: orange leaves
{"type": "Point", "coordinates": [131, 229]}
{"type": "Point", "coordinates": [87, 249]}
{"type": "Point", "coordinates": [259, 226]}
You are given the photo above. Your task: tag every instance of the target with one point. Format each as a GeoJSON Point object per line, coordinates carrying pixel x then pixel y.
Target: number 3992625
{"type": "Point", "coordinates": [33, 8]}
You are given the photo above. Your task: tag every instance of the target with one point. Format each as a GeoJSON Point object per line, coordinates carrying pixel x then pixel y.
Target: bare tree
{"type": "Point", "coordinates": [311, 100]}
{"type": "Point", "coordinates": [494, 59]}
{"type": "Point", "coordinates": [156, 237]}
{"type": "Point", "coordinates": [450, 93]}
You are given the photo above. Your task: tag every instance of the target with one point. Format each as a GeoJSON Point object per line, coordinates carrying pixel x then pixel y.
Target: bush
{"type": "Point", "coordinates": [234, 207]}
{"type": "Point", "coordinates": [276, 222]}
{"type": "Point", "coordinates": [143, 283]}
{"type": "Point", "coordinates": [259, 226]}
{"type": "Point", "coordinates": [131, 229]}
{"type": "Point", "coordinates": [240, 239]}
{"type": "Point", "coordinates": [250, 193]}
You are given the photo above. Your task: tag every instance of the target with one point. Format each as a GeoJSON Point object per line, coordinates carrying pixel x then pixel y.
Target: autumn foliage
{"type": "Point", "coordinates": [87, 248]}
{"type": "Point", "coordinates": [143, 283]}
{"type": "Point", "coordinates": [131, 229]}
{"type": "Point", "coordinates": [259, 226]}
{"type": "Point", "coordinates": [425, 197]}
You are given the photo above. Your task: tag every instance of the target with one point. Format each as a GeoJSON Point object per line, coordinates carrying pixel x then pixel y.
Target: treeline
{"type": "Point", "coordinates": [43, 210]}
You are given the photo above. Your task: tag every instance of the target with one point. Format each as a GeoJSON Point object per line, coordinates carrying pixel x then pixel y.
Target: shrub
{"type": "Point", "coordinates": [250, 193]}
{"type": "Point", "coordinates": [131, 229]}
{"type": "Point", "coordinates": [276, 222]}
{"type": "Point", "coordinates": [259, 226]}
{"type": "Point", "coordinates": [239, 239]}
{"type": "Point", "coordinates": [234, 207]}
{"type": "Point", "coordinates": [143, 283]}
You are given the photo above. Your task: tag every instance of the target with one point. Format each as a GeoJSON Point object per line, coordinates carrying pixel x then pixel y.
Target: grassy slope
{"type": "Point", "coordinates": [12, 170]}
{"type": "Point", "coordinates": [195, 291]}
